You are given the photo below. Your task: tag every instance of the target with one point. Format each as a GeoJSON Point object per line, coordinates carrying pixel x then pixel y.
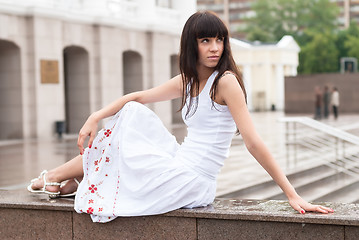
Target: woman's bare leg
{"type": "Point", "coordinates": [69, 170]}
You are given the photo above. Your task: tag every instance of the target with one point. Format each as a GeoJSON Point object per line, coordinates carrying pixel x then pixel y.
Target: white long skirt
{"type": "Point", "coordinates": [132, 170]}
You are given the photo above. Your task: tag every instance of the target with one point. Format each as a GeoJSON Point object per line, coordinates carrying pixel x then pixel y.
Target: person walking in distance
{"type": "Point", "coordinates": [335, 102]}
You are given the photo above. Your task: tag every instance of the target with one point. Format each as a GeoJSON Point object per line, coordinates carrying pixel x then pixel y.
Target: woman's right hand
{"type": "Point", "coordinates": [88, 129]}
{"type": "Point", "coordinates": [303, 206]}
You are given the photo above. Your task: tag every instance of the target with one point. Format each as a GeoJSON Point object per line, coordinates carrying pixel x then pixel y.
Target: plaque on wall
{"type": "Point", "coordinates": [49, 71]}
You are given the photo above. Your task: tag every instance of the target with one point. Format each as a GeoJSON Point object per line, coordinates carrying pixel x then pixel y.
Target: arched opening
{"type": "Point", "coordinates": [77, 90]}
{"type": "Point", "coordinates": [132, 72]}
{"type": "Point", "coordinates": [11, 107]}
{"type": "Point", "coordinates": [176, 103]}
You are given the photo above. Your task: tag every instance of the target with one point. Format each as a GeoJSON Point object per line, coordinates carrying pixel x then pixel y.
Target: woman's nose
{"type": "Point", "coordinates": [214, 46]}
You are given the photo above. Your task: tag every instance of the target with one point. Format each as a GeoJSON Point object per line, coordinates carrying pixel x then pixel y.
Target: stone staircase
{"type": "Point", "coordinates": [332, 174]}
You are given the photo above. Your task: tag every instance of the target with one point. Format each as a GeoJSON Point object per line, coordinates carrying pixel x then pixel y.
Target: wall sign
{"type": "Point", "coordinates": [49, 71]}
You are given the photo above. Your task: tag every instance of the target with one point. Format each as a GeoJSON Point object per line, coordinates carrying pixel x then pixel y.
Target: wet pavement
{"type": "Point", "coordinates": [23, 160]}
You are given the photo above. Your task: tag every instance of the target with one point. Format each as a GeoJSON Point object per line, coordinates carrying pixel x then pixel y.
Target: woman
{"type": "Point", "coordinates": [135, 167]}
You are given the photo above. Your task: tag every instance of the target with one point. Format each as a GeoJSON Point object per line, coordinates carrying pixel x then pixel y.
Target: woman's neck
{"type": "Point", "coordinates": [204, 73]}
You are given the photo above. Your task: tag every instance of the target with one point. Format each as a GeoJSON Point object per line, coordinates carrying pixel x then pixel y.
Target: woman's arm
{"type": "Point", "coordinates": [231, 94]}
{"type": "Point", "coordinates": [167, 91]}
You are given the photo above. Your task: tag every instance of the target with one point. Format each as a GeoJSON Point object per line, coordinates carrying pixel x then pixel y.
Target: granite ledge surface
{"type": "Point", "coordinates": [229, 209]}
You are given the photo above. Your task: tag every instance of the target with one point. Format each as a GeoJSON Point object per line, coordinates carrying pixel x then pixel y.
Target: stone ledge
{"type": "Point", "coordinates": [231, 209]}
{"type": "Point", "coordinates": [225, 218]}
{"type": "Point", "coordinates": [272, 210]}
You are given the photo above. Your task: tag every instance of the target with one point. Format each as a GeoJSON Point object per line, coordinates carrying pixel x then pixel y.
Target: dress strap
{"type": "Point", "coordinates": [210, 81]}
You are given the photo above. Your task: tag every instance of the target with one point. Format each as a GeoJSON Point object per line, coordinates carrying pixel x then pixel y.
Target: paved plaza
{"type": "Point", "coordinates": [21, 161]}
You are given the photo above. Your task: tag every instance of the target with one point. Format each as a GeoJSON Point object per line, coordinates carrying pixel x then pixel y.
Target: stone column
{"type": "Point", "coordinates": [269, 81]}
{"type": "Point", "coordinates": [161, 72]}
{"type": "Point", "coordinates": [293, 70]}
{"type": "Point", "coordinates": [279, 73]}
{"type": "Point", "coordinates": [50, 97]}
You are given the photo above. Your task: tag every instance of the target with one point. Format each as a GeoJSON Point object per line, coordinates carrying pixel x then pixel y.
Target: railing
{"type": "Point", "coordinates": [325, 141]}
{"type": "Point", "coordinates": [325, 165]}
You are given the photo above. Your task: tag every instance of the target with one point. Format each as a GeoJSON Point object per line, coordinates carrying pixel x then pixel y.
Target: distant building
{"type": "Point", "coordinates": [349, 11]}
{"type": "Point", "coordinates": [60, 60]}
{"type": "Point", "coordinates": [238, 11]}
{"type": "Point", "coordinates": [264, 67]}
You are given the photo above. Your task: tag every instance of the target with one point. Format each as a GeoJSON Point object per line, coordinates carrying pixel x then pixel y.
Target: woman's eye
{"type": "Point", "coordinates": [205, 40]}
{"type": "Point", "coordinates": [220, 39]}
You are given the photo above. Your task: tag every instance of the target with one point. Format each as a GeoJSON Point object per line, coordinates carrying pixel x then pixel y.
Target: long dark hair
{"type": "Point", "coordinates": [203, 24]}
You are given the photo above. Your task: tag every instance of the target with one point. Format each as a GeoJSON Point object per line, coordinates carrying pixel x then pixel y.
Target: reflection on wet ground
{"type": "Point", "coordinates": [24, 160]}
{"type": "Point", "coordinates": [21, 161]}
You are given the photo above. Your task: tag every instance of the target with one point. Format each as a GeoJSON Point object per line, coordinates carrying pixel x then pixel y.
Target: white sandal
{"type": "Point", "coordinates": [43, 189]}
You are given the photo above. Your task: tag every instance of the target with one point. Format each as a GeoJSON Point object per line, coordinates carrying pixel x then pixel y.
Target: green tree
{"type": "Point", "coordinates": [308, 21]}
{"type": "Point", "coordinates": [343, 36]}
{"type": "Point", "coordinates": [275, 18]}
{"type": "Point", "coordinates": [352, 44]}
{"type": "Point", "coordinates": [320, 54]}
{"type": "Point", "coordinates": [348, 42]}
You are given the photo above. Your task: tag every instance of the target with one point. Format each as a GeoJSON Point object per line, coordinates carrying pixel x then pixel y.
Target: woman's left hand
{"type": "Point", "coordinates": [302, 206]}
{"type": "Point", "coordinates": [89, 129]}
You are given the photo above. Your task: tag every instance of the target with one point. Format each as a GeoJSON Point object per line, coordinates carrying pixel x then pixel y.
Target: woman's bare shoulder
{"type": "Point", "coordinates": [228, 87]}
{"type": "Point", "coordinates": [228, 80]}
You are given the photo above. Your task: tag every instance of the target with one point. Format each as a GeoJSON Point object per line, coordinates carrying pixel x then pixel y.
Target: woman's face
{"type": "Point", "coordinates": [209, 51]}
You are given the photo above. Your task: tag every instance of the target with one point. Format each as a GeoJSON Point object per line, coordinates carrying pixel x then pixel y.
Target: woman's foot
{"type": "Point", "coordinates": [45, 183]}
{"type": "Point", "coordinates": [70, 188]}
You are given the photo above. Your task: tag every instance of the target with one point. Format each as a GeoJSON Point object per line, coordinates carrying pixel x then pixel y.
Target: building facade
{"type": "Point", "coordinates": [264, 67]}
{"type": "Point", "coordinates": [60, 60]}
{"type": "Point", "coordinates": [349, 11]}
{"type": "Point", "coordinates": [238, 11]}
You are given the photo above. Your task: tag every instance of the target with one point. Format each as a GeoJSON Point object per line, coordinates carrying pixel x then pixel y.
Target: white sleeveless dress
{"type": "Point", "coordinates": [135, 166]}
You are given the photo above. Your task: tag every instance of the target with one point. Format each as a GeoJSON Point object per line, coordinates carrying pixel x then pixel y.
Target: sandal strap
{"type": "Point", "coordinates": [53, 184]}
{"type": "Point", "coordinates": [78, 183]}
{"type": "Point", "coordinates": [42, 175]}
{"type": "Point", "coordinates": [47, 183]}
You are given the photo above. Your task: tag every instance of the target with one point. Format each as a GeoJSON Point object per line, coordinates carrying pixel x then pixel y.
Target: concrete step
{"type": "Point", "coordinates": [312, 184]}
{"type": "Point", "coordinates": [351, 163]}
{"type": "Point", "coordinates": [322, 187]}
{"type": "Point", "coordinates": [347, 194]}
{"type": "Point", "coordinates": [267, 189]}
